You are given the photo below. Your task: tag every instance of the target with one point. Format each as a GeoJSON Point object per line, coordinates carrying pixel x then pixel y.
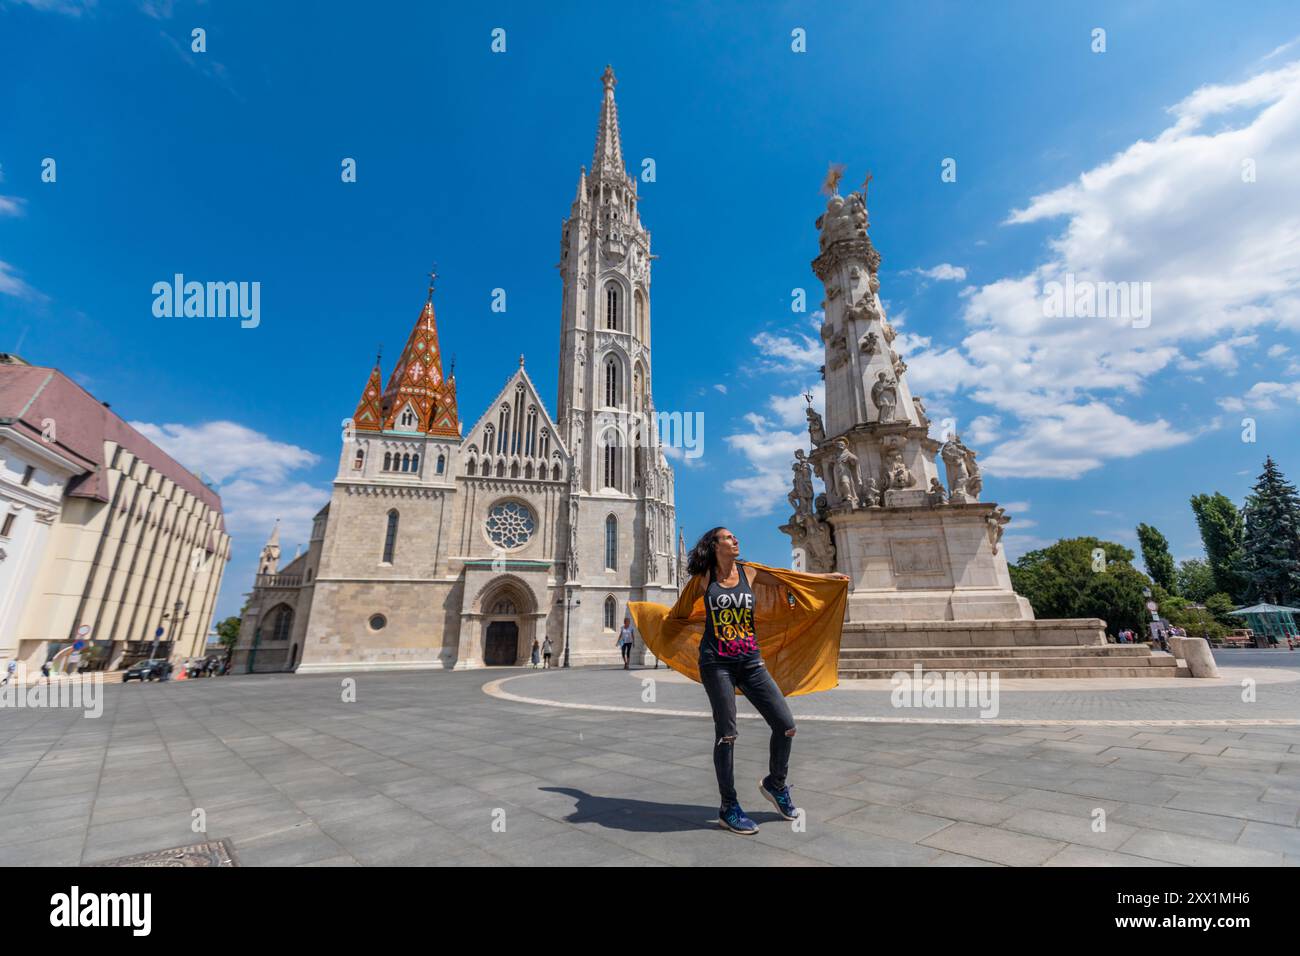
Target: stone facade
{"type": "Point", "coordinates": [445, 547]}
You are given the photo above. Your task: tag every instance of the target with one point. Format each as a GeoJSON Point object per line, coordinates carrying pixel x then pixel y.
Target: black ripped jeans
{"type": "Point", "coordinates": [721, 681]}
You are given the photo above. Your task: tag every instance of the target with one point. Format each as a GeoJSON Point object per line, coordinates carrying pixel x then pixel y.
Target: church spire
{"type": "Point", "coordinates": [608, 157]}
{"type": "Point", "coordinates": [369, 415]}
{"type": "Point", "coordinates": [268, 562]}
{"type": "Point", "coordinates": [418, 398]}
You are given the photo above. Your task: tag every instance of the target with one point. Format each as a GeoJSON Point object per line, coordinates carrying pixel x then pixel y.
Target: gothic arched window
{"type": "Point", "coordinates": [390, 537]}
{"type": "Point", "coordinates": [408, 419]}
{"type": "Point", "coordinates": [442, 463]}
{"type": "Point", "coordinates": [612, 317]}
{"type": "Point", "coordinates": [415, 463]}
{"type": "Point", "coordinates": [613, 461]}
{"type": "Point", "coordinates": [388, 461]}
{"type": "Point", "coordinates": [613, 393]}
{"type": "Point", "coordinates": [555, 473]}
{"type": "Point", "coordinates": [503, 420]}
{"type": "Point", "coordinates": [611, 543]}
{"type": "Point", "coordinates": [611, 613]}
{"type": "Point", "coordinates": [281, 622]}
{"type": "Point", "coordinates": [471, 468]}
{"type": "Point", "coordinates": [359, 462]}
{"type": "Point", "coordinates": [639, 306]}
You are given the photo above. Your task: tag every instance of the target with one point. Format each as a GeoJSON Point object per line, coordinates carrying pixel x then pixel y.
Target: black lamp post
{"type": "Point", "coordinates": [176, 617]}
{"type": "Point", "coordinates": [569, 604]}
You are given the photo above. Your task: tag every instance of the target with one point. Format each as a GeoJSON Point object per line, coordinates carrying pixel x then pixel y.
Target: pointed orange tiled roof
{"type": "Point", "coordinates": [369, 414]}
{"type": "Point", "coordinates": [417, 380]}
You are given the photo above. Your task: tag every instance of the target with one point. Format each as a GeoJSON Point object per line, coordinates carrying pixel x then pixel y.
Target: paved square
{"type": "Point", "coordinates": [428, 769]}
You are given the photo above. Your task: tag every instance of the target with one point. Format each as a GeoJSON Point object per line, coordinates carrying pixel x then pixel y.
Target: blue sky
{"type": "Point", "coordinates": [1122, 165]}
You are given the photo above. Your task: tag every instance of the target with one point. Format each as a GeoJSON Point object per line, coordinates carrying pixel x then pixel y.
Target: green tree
{"type": "Point", "coordinates": [1220, 525]}
{"type": "Point", "coordinates": [1219, 605]}
{"type": "Point", "coordinates": [1271, 539]}
{"type": "Point", "coordinates": [1083, 577]}
{"type": "Point", "coordinates": [1195, 580]}
{"type": "Point", "coordinates": [1156, 556]}
{"type": "Point", "coordinates": [228, 631]}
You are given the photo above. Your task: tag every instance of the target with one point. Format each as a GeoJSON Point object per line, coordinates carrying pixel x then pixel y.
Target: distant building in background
{"type": "Point", "coordinates": [104, 538]}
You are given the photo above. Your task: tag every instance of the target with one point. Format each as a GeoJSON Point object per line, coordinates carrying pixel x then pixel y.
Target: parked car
{"type": "Point", "coordinates": [151, 669]}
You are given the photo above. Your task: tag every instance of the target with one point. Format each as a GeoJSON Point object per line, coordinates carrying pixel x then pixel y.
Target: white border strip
{"type": "Point", "coordinates": [494, 689]}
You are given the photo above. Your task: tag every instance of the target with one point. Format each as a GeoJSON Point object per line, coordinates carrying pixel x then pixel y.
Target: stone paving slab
{"type": "Point", "coordinates": [425, 768]}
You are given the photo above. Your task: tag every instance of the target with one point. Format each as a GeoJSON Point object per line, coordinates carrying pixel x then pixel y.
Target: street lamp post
{"type": "Point", "coordinates": [176, 617]}
{"type": "Point", "coordinates": [569, 604]}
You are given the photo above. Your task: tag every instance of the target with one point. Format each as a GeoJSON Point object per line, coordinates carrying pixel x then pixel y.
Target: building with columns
{"type": "Point", "coordinates": [104, 538]}
{"type": "Point", "coordinates": [455, 545]}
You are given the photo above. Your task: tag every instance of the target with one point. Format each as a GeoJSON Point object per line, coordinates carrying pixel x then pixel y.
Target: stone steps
{"type": "Point", "coordinates": [1081, 661]}
{"type": "Point", "coordinates": [1031, 651]}
{"type": "Point", "coordinates": [1023, 673]}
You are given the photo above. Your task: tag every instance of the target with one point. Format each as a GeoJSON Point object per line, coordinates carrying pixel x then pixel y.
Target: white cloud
{"type": "Point", "coordinates": [226, 450]}
{"type": "Point", "coordinates": [770, 453]}
{"type": "Point", "coordinates": [10, 284]}
{"type": "Point", "coordinates": [253, 475]}
{"type": "Point", "coordinates": [791, 354]}
{"type": "Point", "coordinates": [1222, 256]}
{"type": "Point", "coordinates": [1261, 395]}
{"type": "Point", "coordinates": [11, 206]}
{"type": "Point", "coordinates": [1224, 354]}
{"type": "Point", "coordinates": [73, 8]}
{"type": "Point", "coordinates": [792, 409]}
{"type": "Point", "coordinates": [1065, 441]}
{"type": "Point", "coordinates": [984, 429]}
{"type": "Point", "coordinates": [943, 272]}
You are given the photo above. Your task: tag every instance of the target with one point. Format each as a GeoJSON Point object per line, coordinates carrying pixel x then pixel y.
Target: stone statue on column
{"type": "Point", "coordinates": [801, 495]}
{"type": "Point", "coordinates": [884, 395]}
{"type": "Point", "coordinates": [954, 459]}
{"type": "Point", "coordinates": [847, 476]}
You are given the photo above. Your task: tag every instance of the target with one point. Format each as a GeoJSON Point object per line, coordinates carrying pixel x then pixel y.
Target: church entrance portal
{"type": "Point", "coordinates": [502, 645]}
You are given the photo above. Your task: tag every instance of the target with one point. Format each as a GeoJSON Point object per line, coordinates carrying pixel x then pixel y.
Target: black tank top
{"type": "Point", "coordinates": [728, 621]}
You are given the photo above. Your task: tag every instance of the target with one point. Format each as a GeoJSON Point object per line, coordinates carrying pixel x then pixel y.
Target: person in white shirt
{"type": "Point", "coordinates": [625, 638]}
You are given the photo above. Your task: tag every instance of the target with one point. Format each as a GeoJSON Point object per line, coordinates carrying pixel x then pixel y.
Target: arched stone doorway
{"type": "Point", "coordinates": [505, 613]}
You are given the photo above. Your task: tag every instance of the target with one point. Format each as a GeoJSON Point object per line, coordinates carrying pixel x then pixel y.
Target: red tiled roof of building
{"type": "Point", "coordinates": [31, 395]}
{"type": "Point", "coordinates": [417, 380]}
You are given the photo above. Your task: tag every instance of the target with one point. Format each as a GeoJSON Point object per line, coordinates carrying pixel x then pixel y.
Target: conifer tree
{"type": "Point", "coordinates": [1271, 538]}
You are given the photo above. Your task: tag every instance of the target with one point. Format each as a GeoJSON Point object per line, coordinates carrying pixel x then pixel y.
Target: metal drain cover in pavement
{"type": "Point", "coordinates": [213, 853]}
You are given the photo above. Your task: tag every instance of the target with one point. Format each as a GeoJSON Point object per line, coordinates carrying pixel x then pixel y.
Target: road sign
{"type": "Point", "coordinates": [158, 633]}
{"type": "Point", "coordinates": [78, 645]}
{"type": "Point", "coordinates": [83, 631]}
{"type": "Point", "coordinates": [1152, 606]}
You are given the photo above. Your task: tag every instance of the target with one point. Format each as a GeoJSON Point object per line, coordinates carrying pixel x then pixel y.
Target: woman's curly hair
{"type": "Point", "coordinates": [703, 557]}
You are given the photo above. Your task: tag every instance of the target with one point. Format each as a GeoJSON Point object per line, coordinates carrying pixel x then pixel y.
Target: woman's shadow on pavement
{"type": "Point", "coordinates": [638, 816]}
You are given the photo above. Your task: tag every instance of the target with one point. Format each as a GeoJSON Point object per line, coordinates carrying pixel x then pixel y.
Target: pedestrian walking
{"type": "Point", "coordinates": [625, 638]}
{"type": "Point", "coordinates": [9, 672]}
{"type": "Point", "coordinates": [535, 657]}
{"type": "Point", "coordinates": [547, 649]}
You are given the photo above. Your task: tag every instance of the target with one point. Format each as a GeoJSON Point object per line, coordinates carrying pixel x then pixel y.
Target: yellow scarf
{"type": "Point", "coordinates": [798, 622]}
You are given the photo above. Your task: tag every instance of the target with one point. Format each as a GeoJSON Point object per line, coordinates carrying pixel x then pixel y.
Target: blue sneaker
{"type": "Point", "coordinates": [779, 799]}
{"type": "Point", "coordinates": [734, 819]}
